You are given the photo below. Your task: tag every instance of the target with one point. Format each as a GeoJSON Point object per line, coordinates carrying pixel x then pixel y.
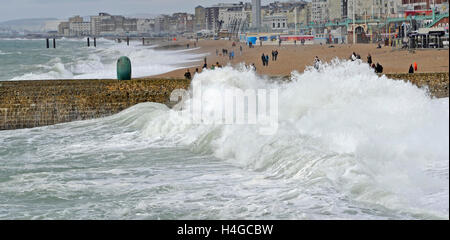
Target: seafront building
{"type": "Point", "coordinates": [326, 21]}
{"type": "Point", "coordinates": [79, 27]}
{"type": "Point", "coordinates": [276, 23]}
{"type": "Point", "coordinates": [256, 14]}
{"type": "Point", "coordinates": [200, 23]}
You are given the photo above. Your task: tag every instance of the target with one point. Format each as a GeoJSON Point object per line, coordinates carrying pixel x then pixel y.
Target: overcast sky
{"type": "Point", "coordinates": [62, 9]}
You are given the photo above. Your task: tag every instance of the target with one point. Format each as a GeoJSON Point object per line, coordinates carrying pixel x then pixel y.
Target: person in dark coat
{"type": "Point", "coordinates": [369, 59]}
{"type": "Point", "coordinates": [411, 69]}
{"type": "Point", "coordinates": [267, 60]}
{"type": "Point", "coordinates": [263, 58]}
{"type": "Point", "coordinates": [187, 75]}
{"type": "Point", "coordinates": [379, 68]}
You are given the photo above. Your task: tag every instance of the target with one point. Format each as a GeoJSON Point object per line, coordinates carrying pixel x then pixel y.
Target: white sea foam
{"type": "Point", "coordinates": [101, 62]}
{"type": "Point", "coordinates": [349, 145]}
{"type": "Point", "coordinates": [371, 138]}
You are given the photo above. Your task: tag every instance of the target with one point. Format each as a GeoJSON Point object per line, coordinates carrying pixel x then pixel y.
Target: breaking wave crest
{"type": "Point", "coordinates": [372, 139]}
{"type": "Point", "coordinates": [78, 62]}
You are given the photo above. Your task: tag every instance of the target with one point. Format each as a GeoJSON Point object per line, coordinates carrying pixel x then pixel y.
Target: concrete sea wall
{"type": "Point", "coordinates": [437, 83]}
{"type": "Point", "coordinates": [27, 104]}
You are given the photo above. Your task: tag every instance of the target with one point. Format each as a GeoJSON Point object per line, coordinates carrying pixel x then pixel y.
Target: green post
{"type": "Point", "coordinates": [434, 16]}
{"type": "Point", "coordinates": [124, 68]}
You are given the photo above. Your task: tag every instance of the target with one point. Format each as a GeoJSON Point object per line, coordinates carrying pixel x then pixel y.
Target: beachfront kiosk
{"type": "Point", "coordinates": [275, 38]}
{"type": "Point", "coordinates": [427, 38]}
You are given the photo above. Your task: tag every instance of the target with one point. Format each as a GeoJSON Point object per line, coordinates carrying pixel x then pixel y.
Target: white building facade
{"type": "Point", "coordinates": [79, 28]}
{"type": "Point", "coordinates": [277, 22]}
{"type": "Point", "coordinates": [232, 19]}
{"type": "Point", "coordinates": [319, 11]}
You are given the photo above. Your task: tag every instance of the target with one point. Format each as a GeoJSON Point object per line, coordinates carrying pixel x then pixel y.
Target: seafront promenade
{"type": "Point", "coordinates": [27, 104]}
{"type": "Point", "coordinates": [298, 57]}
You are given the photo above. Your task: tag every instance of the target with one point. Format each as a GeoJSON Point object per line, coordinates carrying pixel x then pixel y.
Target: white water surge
{"type": "Point", "coordinates": [72, 59]}
{"type": "Point", "coordinates": [349, 145]}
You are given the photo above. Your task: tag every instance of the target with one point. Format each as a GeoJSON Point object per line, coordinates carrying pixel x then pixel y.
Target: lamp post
{"type": "Point", "coordinates": [295, 21]}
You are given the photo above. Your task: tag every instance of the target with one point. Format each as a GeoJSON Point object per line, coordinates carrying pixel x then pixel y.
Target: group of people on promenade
{"type": "Point", "coordinates": [274, 55]}
{"type": "Point", "coordinates": [355, 56]}
{"type": "Point", "coordinates": [231, 53]}
{"type": "Point", "coordinates": [378, 68]}
{"type": "Point", "coordinates": [188, 74]}
{"type": "Point", "coordinates": [188, 45]}
{"type": "Point", "coordinates": [413, 69]}
{"type": "Point", "coordinates": [265, 58]}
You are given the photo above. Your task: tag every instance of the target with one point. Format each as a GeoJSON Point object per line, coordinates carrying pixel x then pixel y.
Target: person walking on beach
{"type": "Point", "coordinates": [415, 66]}
{"type": "Point", "coordinates": [267, 60]}
{"type": "Point", "coordinates": [273, 55]}
{"type": "Point", "coordinates": [316, 63]}
{"type": "Point", "coordinates": [369, 59]}
{"type": "Point", "coordinates": [217, 52]}
{"type": "Point", "coordinates": [378, 68]}
{"type": "Point", "coordinates": [232, 55]}
{"type": "Point", "coordinates": [411, 69]}
{"type": "Point", "coordinates": [187, 75]}
{"type": "Point", "coordinates": [276, 55]}
{"type": "Point", "coordinates": [263, 58]}
{"type": "Point", "coordinates": [240, 49]}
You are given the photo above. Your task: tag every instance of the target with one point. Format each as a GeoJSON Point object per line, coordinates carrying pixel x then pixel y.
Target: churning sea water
{"type": "Point", "coordinates": [25, 59]}
{"type": "Point", "coordinates": [349, 145]}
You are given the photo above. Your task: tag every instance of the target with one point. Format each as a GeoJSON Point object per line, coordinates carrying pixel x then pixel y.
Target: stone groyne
{"type": "Point", "coordinates": [437, 83]}
{"type": "Point", "coordinates": [27, 104]}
